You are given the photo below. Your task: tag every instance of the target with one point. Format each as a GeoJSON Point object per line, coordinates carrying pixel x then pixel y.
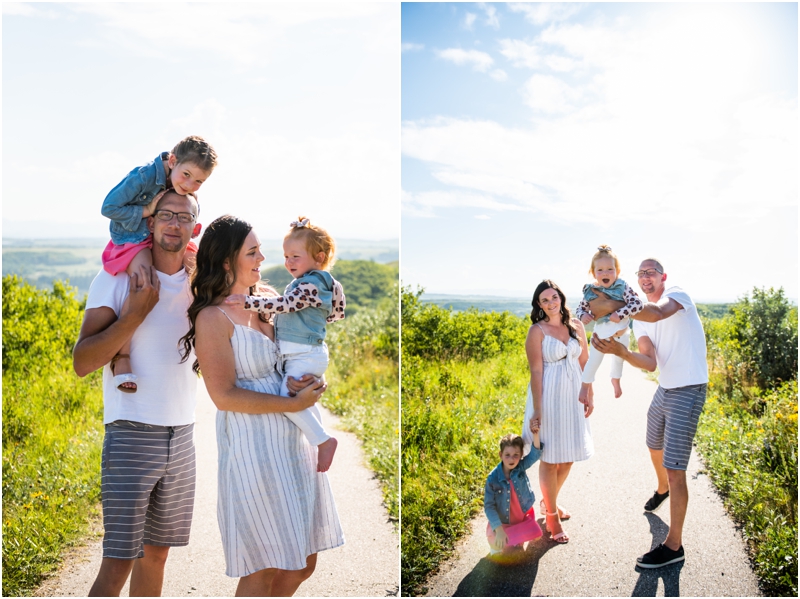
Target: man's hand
{"type": "Point", "coordinates": [586, 318]}
{"type": "Point", "coordinates": [608, 346]}
{"type": "Point", "coordinates": [602, 305]}
{"type": "Point", "coordinates": [143, 291]}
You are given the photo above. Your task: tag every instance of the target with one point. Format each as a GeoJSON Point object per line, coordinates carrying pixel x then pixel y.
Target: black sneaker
{"type": "Point", "coordinates": [655, 501]}
{"type": "Point", "coordinates": [660, 556]}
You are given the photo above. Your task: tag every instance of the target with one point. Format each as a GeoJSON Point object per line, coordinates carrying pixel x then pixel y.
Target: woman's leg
{"type": "Point", "coordinates": [551, 479]}
{"type": "Point", "coordinates": [257, 584]}
{"type": "Point", "coordinates": [286, 581]}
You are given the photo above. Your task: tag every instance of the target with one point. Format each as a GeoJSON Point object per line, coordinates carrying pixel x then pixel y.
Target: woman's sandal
{"type": "Point", "coordinates": [559, 537]}
{"type": "Point", "coordinates": [121, 379]}
{"type": "Point", "coordinates": [564, 514]}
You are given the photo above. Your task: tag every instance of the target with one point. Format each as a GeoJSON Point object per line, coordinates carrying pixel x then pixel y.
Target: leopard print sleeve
{"type": "Point", "coordinates": [633, 305]}
{"type": "Point", "coordinates": [338, 303]}
{"type": "Point", "coordinates": [583, 308]}
{"type": "Point", "coordinates": [305, 295]}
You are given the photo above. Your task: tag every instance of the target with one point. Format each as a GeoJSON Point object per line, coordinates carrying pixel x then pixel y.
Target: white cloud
{"type": "Point", "coordinates": [469, 20]}
{"type": "Point", "coordinates": [411, 47]}
{"type": "Point", "coordinates": [521, 53]}
{"type": "Point", "coordinates": [551, 95]}
{"type": "Point", "coordinates": [27, 9]}
{"type": "Point", "coordinates": [480, 61]}
{"type": "Point", "coordinates": [541, 13]}
{"type": "Point", "coordinates": [491, 15]}
{"type": "Point", "coordinates": [498, 75]}
{"type": "Point", "coordinates": [483, 217]}
{"type": "Point", "coordinates": [247, 33]}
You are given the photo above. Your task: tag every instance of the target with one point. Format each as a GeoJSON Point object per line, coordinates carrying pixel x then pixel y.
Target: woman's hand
{"type": "Point", "coordinates": [534, 423]}
{"type": "Point", "coordinates": [306, 390]}
{"type": "Point", "coordinates": [588, 404]}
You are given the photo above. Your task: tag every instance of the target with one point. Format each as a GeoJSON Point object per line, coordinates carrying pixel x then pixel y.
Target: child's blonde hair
{"type": "Point", "coordinates": [316, 240]}
{"type": "Point", "coordinates": [512, 440]}
{"type": "Point", "coordinates": [604, 251]}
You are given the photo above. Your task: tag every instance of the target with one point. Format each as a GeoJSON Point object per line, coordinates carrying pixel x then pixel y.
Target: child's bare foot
{"type": "Point", "coordinates": [583, 397]}
{"type": "Point", "coordinates": [325, 451]}
{"type": "Point", "coordinates": [124, 380]}
{"type": "Point", "coordinates": [617, 388]}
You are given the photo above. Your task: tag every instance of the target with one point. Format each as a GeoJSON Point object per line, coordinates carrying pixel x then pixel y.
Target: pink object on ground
{"type": "Point", "coordinates": [116, 258]}
{"type": "Point", "coordinates": [527, 530]}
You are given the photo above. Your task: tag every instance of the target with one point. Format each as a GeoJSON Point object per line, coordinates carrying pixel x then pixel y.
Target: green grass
{"type": "Point", "coordinates": [454, 414]}
{"type": "Point", "coordinates": [52, 433]}
{"type": "Point", "coordinates": [363, 389]}
{"type": "Point", "coordinates": [753, 462]}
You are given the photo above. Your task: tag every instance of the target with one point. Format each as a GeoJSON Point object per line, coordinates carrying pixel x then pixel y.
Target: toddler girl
{"type": "Point", "coordinates": [311, 300]}
{"type": "Point", "coordinates": [134, 199]}
{"type": "Point", "coordinates": [508, 498]}
{"type": "Point", "coordinates": [605, 269]}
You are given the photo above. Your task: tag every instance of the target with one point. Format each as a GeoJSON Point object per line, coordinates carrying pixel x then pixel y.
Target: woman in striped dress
{"type": "Point", "coordinates": [275, 511]}
{"type": "Point", "coordinates": [557, 351]}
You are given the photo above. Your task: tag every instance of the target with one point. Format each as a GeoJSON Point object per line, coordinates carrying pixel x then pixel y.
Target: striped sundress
{"type": "Point", "coordinates": [274, 508]}
{"type": "Point", "coordinates": [565, 432]}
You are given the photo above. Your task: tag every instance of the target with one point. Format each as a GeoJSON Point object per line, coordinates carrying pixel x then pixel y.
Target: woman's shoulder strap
{"type": "Point", "coordinates": [225, 313]}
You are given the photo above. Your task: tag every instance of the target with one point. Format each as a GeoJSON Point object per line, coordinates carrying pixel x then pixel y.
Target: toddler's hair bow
{"type": "Point", "coordinates": [299, 224]}
{"type": "Point", "coordinates": [604, 248]}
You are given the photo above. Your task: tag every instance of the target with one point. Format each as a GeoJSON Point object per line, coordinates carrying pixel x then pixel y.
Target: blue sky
{"type": "Point", "coordinates": [532, 133]}
{"type": "Point", "coordinates": [301, 102]}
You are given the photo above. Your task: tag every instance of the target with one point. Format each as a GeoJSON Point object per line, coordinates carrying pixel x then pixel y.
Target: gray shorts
{"type": "Point", "coordinates": [148, 476]}
{"type": "Point", "coordinates": [672, 422]}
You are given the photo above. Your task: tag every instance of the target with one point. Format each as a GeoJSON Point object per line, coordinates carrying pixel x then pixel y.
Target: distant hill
{"type": "Point", "coordinates": [41, 261]}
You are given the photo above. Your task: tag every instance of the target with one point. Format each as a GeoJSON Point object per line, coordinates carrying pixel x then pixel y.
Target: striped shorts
{"type": "Point", "coordinates": [148, 477]}
{"type": "Point", "coordinates": [672, 422]}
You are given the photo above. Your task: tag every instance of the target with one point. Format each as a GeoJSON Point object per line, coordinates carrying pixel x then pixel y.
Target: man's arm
{"type": "Point", "coordinates": [103, 334]}
{"type": "Point", "coordinates": [651, 312]}
{"type": "Point", "coordinates": [645, 358]}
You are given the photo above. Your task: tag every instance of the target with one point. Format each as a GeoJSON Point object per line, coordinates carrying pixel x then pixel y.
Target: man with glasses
{"type": "Point", "coordinates": [671, 337]}
{"type": "Point", "coordinates": [148, 463]}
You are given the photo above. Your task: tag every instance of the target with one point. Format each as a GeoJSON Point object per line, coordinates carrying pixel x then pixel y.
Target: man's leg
{"type": "Point", "coordinates": [678, 502]}
{"type": "Point", "coordinates": [148, 572]}
{"type": "Point", "coordinates": [657, 456]}
{"type": "Point", "coordinates": [111, 578]}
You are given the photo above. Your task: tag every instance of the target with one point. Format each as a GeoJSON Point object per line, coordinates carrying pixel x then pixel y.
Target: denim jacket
{"type": "Point", "coordinates": [497, 493]}
{"type": "Point", "coordinates": [307, 326]}
{"type": "Point", "coordinates": [124, 204]}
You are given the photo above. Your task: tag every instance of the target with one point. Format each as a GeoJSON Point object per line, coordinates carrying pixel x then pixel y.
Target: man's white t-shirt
{"type": "Point", "coordinates": [166, 387]}
{"type": "Point", "coordinates": [680, 343]}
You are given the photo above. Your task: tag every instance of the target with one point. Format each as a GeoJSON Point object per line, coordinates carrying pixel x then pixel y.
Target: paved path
{"type": "Point", "coordinates": [366, 566]}
{"type": "Point", "coordinates": [609, 527]}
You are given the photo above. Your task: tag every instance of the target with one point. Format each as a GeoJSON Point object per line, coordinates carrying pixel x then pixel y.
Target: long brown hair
{"type": "Point", "coordinates": [538, 314]}
{"type": "Point", "coordinates": [221, 243]}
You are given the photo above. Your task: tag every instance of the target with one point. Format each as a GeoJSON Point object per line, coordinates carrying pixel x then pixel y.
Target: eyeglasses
{"type": "Point", "coordinates": [168, 215]}
{"type": "Point", "coordinates": [650, 272]}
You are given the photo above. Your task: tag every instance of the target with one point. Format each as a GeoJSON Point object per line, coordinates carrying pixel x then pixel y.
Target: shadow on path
{"type": "Point", "coordinates": [647, 583]}
{"type": "Point", "coordinates": [507, 576]}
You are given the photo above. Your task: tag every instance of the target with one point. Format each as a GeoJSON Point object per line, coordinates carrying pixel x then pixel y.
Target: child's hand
{"type": "Point", "coordinates": [237, 299]}
{"type": "Point", "coordinates": [150, 209]}
{"type": "Point", "coordinates": [586, 318]}
{"type": "Point", "coordinates": [500, 537]}
{"type": "Point", "coordinates": [614, 317]}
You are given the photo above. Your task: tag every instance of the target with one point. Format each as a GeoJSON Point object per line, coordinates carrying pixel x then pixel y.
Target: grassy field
{"type": "Point", "coordinates": [464, 379]}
